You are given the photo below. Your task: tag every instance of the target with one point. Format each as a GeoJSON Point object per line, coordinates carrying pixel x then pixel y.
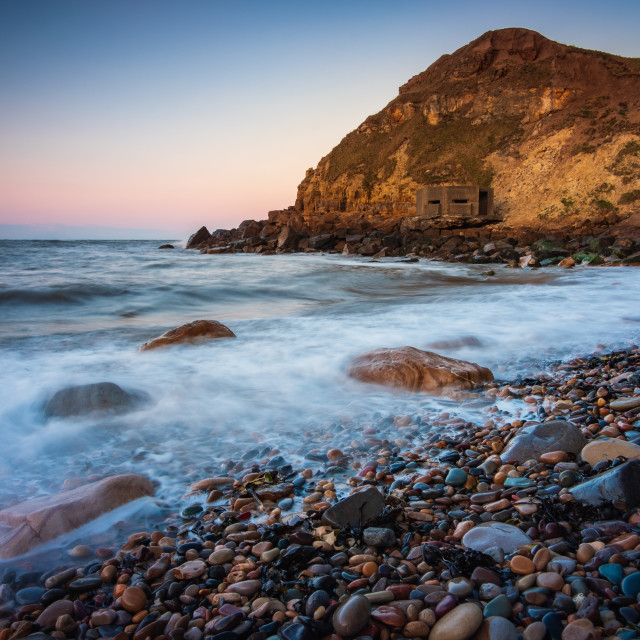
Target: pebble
{"type": "Point", "coordinates": [133, 599]}
{"type": "Point", "coordinates": [352, 616]}
{"type": "Point", "coordinates": [459, 624]}
{"type": "Point", "coordinates": [507, 537]}
{"type": "Point", "coordinates": [521, 565]}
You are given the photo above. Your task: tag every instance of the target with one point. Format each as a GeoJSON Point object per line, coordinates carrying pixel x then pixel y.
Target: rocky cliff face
{"type": "Point", "coordinates": [553, 128]}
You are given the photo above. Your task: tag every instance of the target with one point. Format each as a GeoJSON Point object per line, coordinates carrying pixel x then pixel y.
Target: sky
{"type": "Point", "coordinates": [158, 116]}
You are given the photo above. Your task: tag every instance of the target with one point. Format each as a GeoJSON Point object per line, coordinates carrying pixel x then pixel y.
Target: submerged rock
{"type": "Point", "coordinates": [90, 398]}
{"type": "Point", "coordinates": [190, 333]}
{"type": "Point", "coordinates": [166, 246]}
{"type": "Point", "coordinates": [416, 370]}
{"type": "Point", "coordinates": [28, 524]}
{"type": "Point", "coordinates": [537, 439]}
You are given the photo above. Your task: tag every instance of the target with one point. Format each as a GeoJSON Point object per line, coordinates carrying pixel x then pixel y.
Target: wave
{"type": "Point", "coordinates": [65, 295]}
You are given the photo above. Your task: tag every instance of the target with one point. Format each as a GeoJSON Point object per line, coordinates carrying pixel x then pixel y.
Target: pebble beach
{"type": "Point", "coordinates": [421, 525]}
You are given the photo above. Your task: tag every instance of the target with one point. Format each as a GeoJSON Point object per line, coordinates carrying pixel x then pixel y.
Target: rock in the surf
{"type": "Point", "coordinates": [537, 439]}
{"type": "Point", "coordinates": [104, 397]}
{"type": "Point", "coordinates": [28, 524]}
{"type": "Point", "coordinates": [416, 370]}
{"type": "Point", "coordinates": [200, 236]}
{"type": "Point", "coordinates": [190, 333]}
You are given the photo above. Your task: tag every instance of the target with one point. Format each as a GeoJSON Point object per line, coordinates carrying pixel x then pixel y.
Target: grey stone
{"type": "Point", "coordinates": [619, 484]}
{"type": "Point", "coordinates": [532, 441]}
{"type": "Point", "coordinates": [355, 510]}
{"type": "Point", "coordinates": [379, 537]}
{"type": "Point", "coordinates": [492, 534]}
{"type": "Point", "coordinates": [497, 628]}
{"type": "Point", "coordinates": [103, 397]}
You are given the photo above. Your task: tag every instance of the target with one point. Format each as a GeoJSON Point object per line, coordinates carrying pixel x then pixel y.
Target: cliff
{"type": "Point", "coordinates": [553, 129]}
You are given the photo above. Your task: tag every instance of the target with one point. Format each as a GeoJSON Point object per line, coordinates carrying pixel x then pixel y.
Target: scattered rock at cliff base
{"type": "Point", "coordinates": [100, 397]}
{"type": "Point", "coordinates": [166, 246]}
{"type": "Point", "coordinates": [190, 333]}
{"type": "Point", "coordinates": [200, 236]}
{"type": "Point", "coordinates": [536, 439]}
{"type": "Point", "coordinates": [28, 524]}
{"type": "Point", "coordinates": [415, 370]}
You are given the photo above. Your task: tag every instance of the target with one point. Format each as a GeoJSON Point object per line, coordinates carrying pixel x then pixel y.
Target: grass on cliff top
{"type": "Point", "coordinates": [454, 149]}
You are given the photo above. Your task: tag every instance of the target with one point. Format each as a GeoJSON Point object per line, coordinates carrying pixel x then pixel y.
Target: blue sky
{"type": "Point", "coordinates": [168, 115]}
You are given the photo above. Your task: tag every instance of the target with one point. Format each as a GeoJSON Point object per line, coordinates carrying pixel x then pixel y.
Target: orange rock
{"type": "Point", "coordinates": [553, 457]}
{"type": "Point", "coordinates": [190, 333]}
{"type": "Point", "coordinates": [415, 370]}
{"type": "Point", "coordinates": [522, 565]}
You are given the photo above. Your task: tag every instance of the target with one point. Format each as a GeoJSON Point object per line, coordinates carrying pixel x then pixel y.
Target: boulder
{"type": "Point", "coordinates": [355, 510]}
{"type": "Point", "coordinates": [166, 246]}
{"type": "Point", "coordinates": [100, 397]}
{"type": "Point", "coordinates": [200, 236]}
{"type": "Point", "coordinates": [289, 238]}
{"type": "Point", "coordinates": [28, 524]}
{"type": "Point", "coordinates": [415, 370]}
{"type": "Point", "coordinates": [619, 484]}
{"type": "Point", "coordinates": [532, 441]}
{"type": "Point", "coordinates": [190, 333]}
{"type": "Point", "coordinates": [321, 241]}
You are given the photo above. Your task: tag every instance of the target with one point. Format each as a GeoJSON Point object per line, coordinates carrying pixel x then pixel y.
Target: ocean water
{"type": "Point", "coordinates": [75, 312]}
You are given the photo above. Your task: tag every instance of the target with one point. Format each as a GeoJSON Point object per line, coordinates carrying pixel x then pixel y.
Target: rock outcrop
{"type": "Point", "coordinates": [190, 333]}
{"type": "Point", "coordinates": [416, 370]}
{"type": "Point", "coordinates": [100, 397]}
{"type": "Point", "coordinates": [26, 525]}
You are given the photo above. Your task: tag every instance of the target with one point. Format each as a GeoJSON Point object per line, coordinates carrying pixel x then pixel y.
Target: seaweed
{"type": "Point", "coordinates": [459, 562]}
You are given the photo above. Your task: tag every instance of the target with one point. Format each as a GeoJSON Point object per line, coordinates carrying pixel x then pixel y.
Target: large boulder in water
{"type": "Point", "coordinates": [415, 370]}
{"type": "Point", "coordinates": [532, 441]}
{"type": "Point", "coordinates": [26, 525]}
{"type": "Point", "coordinates": [200, 236]}
{"type": "Point", "coordinates": [190, 333]}
{"type": "Point", "coordinates": [103, 397]}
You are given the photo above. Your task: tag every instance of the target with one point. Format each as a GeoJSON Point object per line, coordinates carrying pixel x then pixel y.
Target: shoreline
{"type": "Point", "coordinates": [405, 570]}
{"type": "Point", "coordinates": [604, 240]}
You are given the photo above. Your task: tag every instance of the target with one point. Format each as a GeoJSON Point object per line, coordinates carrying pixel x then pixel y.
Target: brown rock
{"type": "Point", "coordinates": [190, 570]}
{"type": "Point", "coordinates": [133, 599]}
{"type": "Point", "coordinates": [566, 263]}
{"type": "Point", "coordinates": [26, 525]}
{"type": "Point", "coordinates": [56, 609]}
{"type": "Point", "coordinates": [580, 630]}
{"type": "Point", "coordinates": [415, 370]}
{"type": "Point", "coordinates": [200, 236]}
{"type": "Point", "coordinates": [190, 333]}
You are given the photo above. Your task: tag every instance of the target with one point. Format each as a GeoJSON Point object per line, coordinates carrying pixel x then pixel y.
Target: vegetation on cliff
{"type": "Point", "coordinates": [553, 128]}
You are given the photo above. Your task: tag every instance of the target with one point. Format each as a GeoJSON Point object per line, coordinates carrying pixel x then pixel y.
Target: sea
{"type": "Point", "coordinates": [75, 312]}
